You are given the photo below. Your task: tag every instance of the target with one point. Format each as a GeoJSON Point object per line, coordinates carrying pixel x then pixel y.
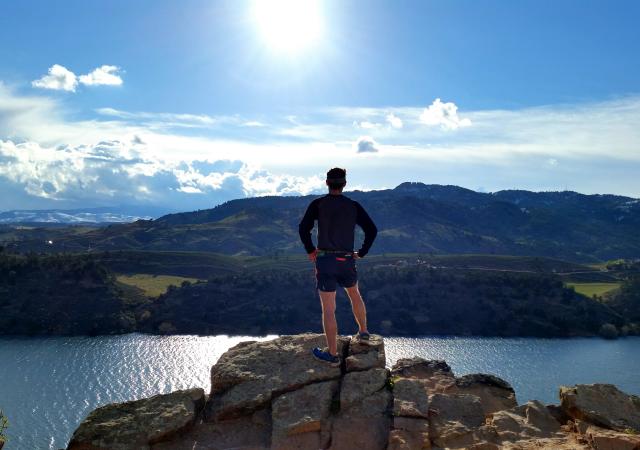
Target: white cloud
{"type": "Point", "coordinates": [121, 156]}
{"type": "Point", "coordinates": [444, 115]}
{"type": "Point", "coordinates": [58, 78]}
{"type": "Point", "coordinates": [367, 125]}
{"type": "Point", "coordinates": [113, 172]}
{"type": "Point", "coordinates": [552, 162]}
{"type": "Point", "coordinates": [104, 75]}
{"type": "Point", "coordinates": [162, 120]}
{"type": "Point", "coordinates": [253, 124]}
{"type": "Point", "coordinates": [366, 144]}
{"type": "Point", "coordinates": [394, 120]}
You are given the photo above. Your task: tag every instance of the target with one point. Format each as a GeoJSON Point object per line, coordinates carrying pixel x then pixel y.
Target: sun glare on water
{"type": "Point", "coordinates": [289, 25]}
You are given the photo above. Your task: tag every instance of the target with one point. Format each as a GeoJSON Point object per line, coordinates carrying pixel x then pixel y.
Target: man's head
{"type": "Point", "coordinates": [336, 179]}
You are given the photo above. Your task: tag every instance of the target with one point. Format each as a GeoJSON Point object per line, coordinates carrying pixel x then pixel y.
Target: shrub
{"type": "Point", "coordinates": [4, 424]}
{"type": "Point", "coordinates": [608, 331]}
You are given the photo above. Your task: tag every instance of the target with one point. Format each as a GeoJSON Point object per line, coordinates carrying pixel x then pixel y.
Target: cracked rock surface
{"type": "Point", "coordinates": [275, 395]}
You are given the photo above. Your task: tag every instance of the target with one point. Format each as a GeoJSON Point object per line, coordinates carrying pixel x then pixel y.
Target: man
{"type": "Point", "coordinates": [334, 259]}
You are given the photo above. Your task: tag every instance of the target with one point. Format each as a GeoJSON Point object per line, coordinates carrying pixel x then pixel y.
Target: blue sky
{"type": "Point", "coordinates": [187, 104]}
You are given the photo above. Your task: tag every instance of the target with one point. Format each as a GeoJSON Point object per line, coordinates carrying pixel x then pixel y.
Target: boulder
{"type": "Point", "coordinates": [495, 393]}
{"type": "Point", "coordinates": [364, 419]}
{"type": "Point", "coordinates": [365, 357]}
{"type": "Point", "coordinates": [419, 368]}
{"type": "Point", "coordinates": [357, 387]}
{"type": "Point", "coordinates": [454, 420]}
{"type": "Point", "coordinates": [436, 376]}
{"type": "Point", "coordinates": [250, 374]}
{"type": "Point", "coordinates": [138, 424]}
{"type": "Point", "coordinates": [603, 405]}
{"type": "Point", "coordinates": [410, 398]}
{"type": "Point", "coordinates": [250, 432]}
{"type": "Point", "coordinates": [603, 439]}
{"type": "Point", "coordinates": [409, 434]}
{"type": "Point", "coordinates": [275, 396]}
{"type": "Point", "coordinates": [300, 419]}
{"type": "Point", "coordinates": [531, 420]}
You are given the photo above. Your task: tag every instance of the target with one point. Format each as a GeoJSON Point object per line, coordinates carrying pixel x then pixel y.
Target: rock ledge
{"type": "Point", "coordinates": [275, 395]}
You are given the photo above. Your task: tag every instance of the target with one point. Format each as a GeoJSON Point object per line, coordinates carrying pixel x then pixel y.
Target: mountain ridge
{"type": "Point", "coordinates": [413, 217]}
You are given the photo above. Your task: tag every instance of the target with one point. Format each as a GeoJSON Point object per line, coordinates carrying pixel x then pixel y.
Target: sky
{"type": "Point", "coordinates": [184, 105]}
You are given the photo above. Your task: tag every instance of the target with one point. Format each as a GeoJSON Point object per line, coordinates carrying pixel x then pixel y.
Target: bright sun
{"type": "Point", "coordinates": [289, 25]}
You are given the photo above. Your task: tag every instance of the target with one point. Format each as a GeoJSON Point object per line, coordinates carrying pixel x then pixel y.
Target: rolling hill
{"type": "Point", "coordinates": [411, 218]}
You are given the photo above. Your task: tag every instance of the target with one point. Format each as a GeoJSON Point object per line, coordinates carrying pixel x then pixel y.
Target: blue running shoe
{"type": "Point", "coordinates": [325, 356]}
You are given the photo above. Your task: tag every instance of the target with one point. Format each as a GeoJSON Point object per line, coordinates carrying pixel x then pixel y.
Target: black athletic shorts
{"type": "Point", "coordinates": [335, 269]}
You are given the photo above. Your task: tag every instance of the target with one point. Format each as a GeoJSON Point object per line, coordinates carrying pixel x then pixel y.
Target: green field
{"type": "Point", "coordinates": [591, 289]}
{"type": "Point", "coordinates": [153, 285]}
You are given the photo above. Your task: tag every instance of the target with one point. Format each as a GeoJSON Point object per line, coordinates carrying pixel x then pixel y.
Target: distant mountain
{"type": "Point", "coordinates": [122, 214]}
{"type": "Point", "coordinates": [412, 218]}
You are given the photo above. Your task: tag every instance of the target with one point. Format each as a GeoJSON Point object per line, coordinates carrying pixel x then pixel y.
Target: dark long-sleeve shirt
{"type": "Point", "coordinates": [337, 217]}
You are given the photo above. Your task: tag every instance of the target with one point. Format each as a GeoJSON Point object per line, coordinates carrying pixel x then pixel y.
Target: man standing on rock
{"type": "Point", "coordinates": [335, 260]}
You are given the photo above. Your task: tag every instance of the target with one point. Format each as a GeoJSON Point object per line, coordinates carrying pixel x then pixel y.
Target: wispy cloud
{"type": "Point", "coordinates": [59, 78]}
{"type": "Point", "coordinates": [168, 119]}
{"type": "Point", "coordinates": [160, 120]}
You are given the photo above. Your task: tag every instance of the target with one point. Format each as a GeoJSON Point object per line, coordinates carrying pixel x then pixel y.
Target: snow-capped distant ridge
{"type": "Point", "coordinates": [104, 215]}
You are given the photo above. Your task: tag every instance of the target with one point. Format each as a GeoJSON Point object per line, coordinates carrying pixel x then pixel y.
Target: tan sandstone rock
{"type": "Point", "coordinates": [364, 418]}
{"type": "Point", "coordinates": [274, 395]}
{"type": "Point", "coordinates": [365, 357]}
{"type": "Point", "coordinates": [603, 405]}
{"type": "Point", "coordinates": [300, 419]}
{"type": "Point", "coordinates": [603, 439]}
{"type": "Point", "coordinates": [249, 375]}
{"type": "Point", "coordinates": [409, 434]}
{"type": "Point", "coordinates": [436, 376]}
{"type": "Point", "coordinates": [495, 394]}
{"type": "Point", "coordinates": [138, 424]}
{"type": "Point", "coordinates": [524, 422]}
{"type": "Point", "coordinates": [410, 398]}
{"type": "Point", "coordinates": [250, 432]}
{"type": "Point", "coordinates": [456, 419]}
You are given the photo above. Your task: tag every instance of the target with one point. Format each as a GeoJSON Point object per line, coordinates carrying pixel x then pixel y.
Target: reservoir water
{"type": "Point", "coordinates": [48, 385]}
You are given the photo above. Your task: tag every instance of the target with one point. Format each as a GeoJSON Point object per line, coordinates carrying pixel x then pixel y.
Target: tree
{"type": "Point", "coordinates": [4, 424]}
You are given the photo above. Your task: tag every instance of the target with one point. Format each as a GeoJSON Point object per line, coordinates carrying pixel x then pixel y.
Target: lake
{"type": "Point", "coordinates": [48, 385]}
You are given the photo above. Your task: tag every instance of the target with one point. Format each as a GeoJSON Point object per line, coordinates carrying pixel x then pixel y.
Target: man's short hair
{"type": "Point", "coordinates": [336, 178]}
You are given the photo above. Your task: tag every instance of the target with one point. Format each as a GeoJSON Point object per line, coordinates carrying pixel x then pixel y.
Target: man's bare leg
{"type": "Point", "coordinates": [328, 300]}
{"type": "Point", "coordinates": [358, 308]}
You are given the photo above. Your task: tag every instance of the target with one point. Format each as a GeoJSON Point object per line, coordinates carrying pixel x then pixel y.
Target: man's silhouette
{"type": "Point", "coordinates": [334, 259]}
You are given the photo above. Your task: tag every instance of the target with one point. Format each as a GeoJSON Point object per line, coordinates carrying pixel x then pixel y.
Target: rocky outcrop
{"type": "Point", "coordinates": [139, 424]}
{"type": "Point", "coordinates": [275, 395]}
{"type": "Point", "coordinates": [603, 405]}
{"type": "Point", "coordinates": [251, 374]}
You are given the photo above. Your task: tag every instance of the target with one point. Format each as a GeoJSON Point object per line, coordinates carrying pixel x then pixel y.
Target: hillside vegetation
{"type": "Point", "coordinates": [412, 217]}
{"type": "Point", "coordinates": [405, 295]}
{"type": "Point", "coordinates": [63, 295]}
